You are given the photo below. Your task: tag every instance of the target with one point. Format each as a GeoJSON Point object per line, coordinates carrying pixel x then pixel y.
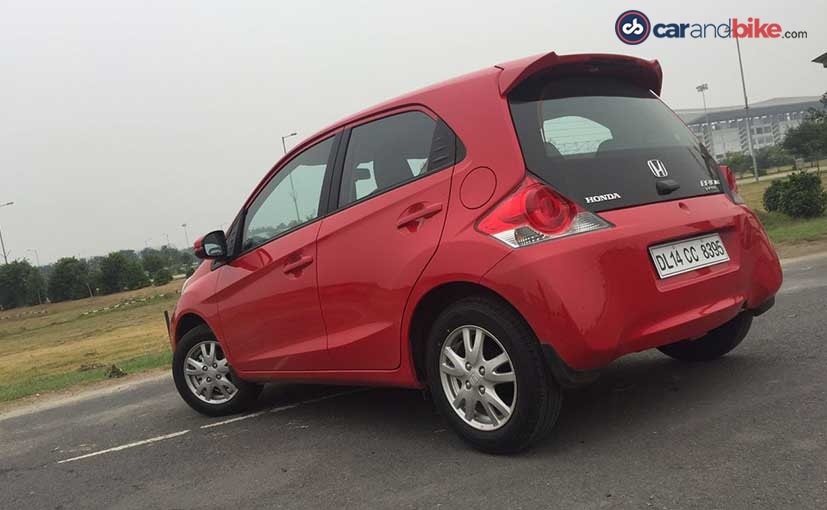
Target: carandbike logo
{"type": "Point", "coordinates": [634, 27]}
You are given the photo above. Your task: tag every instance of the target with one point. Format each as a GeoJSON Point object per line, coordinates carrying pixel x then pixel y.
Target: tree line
{"type": "Point", "coordinates": [807, 141]}
{"type": "Point", "coordinates": [22, 284]}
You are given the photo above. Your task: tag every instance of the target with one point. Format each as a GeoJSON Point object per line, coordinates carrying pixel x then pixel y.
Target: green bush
{"type": "Point", "coordinates": [772, 195]}
{"type": "Point", "coordinates": [162, 277]}
{"type": "Point", "coordinates": [801, 195]}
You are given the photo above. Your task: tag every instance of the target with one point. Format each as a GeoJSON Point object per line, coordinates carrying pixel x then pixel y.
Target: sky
{"type": "Point", "coordinates": [120, 121]}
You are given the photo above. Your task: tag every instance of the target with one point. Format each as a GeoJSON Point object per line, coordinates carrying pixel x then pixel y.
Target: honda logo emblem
{"type": "Point", "coordinates": [657, 167]}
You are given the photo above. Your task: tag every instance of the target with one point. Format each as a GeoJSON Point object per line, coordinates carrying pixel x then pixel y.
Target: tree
{"type": "Point", "coordinates": [737, 161]}
{"type": "Point", "coordinates": [120, 272]}
{"type": "Point", "coordinates": [152, 260]}
{"type": "Point", "coordinates": [20, 285]}
{"type": "Point", "coordinates": [162, 277]}
{"type": "Point", "coordinates": [773, 156]}
{"type": "Point", "coordinates": [807, 140]}
{"type": "Point", "coordinates": [112, 270]}
{"type": "Point", "coordinates": [69, 279]}
{"type": "Point", "coordinates": [135, 276]}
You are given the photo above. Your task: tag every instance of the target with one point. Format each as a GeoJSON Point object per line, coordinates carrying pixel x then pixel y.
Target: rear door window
{"type": "Point", "coordinates": [393, 150]}
{"type": "Point", "coordinates": [605, 143]}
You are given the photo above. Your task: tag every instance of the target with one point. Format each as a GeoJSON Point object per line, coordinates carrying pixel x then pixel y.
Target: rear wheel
{"type": "Point", "coordinates": [487, 376]}
{"type": "Point", "coordinates": [714, 344]}
{"type": "Point", "coordinates": [204, 377]}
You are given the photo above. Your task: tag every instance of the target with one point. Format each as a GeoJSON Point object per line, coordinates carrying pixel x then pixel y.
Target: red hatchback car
{"type": "Point", "coordinates": [494, 238]}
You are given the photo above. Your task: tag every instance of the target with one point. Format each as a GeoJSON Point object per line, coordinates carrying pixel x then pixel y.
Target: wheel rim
{"type": "Point", "coordinates": [208, 373]}
{"type": "Point", "coordinates": [478, 378]}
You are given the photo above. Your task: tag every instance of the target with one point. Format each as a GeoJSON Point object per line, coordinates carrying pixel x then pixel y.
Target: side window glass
{"type": "Point", "coordinates": [385, 153]}
{"type": "Point", "coordinates": [572, 135]}
{"type": "Point", "coordinates": [291, 198]}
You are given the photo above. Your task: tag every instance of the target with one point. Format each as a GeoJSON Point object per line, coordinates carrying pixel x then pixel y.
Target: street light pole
{"type": "Point", "coordinates": [186, 236]}
{"type": "Point", "coordinates": [746, 111]}
{"type": "Point", "coordinates": [2, 245]}
{"type": "Point", "coordinates": [702, 88]}
{"type": "Point", "coordinates": [36, 256]}
{"type": "Point", "coordinates": [290, 177]}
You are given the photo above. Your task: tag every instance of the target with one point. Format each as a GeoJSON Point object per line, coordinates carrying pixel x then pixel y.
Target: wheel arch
{"type": "Point", "coordinates": [187, 323]}
{"type": "Point", "coordinates": [431, 304]}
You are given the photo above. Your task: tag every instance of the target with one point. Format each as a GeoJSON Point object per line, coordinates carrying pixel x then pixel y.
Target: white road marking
{"type": "Point", "coordinates": [214, 424]}
{"type": "Point", "coordinates": [231, 420]}
{"type": "Point", "coordinates": [125, 446]}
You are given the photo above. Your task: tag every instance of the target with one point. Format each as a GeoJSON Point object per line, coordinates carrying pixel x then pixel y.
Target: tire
{"type": "Point", "coordinates": [532, 395]}
{"type": "Point", "coordinates": [714, 344]}
{"type": "Point", "coordinates": [222, 400]}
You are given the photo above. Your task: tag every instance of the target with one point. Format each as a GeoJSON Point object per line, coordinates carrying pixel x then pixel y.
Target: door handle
{"type": "Point", "coordinates": [419, 214]}
{"type": "Point", "coordinates": [301, 263]}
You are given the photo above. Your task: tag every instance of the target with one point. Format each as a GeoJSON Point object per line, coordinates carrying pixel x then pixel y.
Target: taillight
{"type": "Point", "coordinates": [729, 176]}
{"type": "Point", "coordinates": [535, 213]}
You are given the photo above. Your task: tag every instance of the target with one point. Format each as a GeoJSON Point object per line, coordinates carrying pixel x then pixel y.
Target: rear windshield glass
{"type": "Point", "coordinates": [606, 143]}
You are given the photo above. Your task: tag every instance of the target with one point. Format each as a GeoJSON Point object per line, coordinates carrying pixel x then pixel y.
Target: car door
{"type": "Point", "coordinates": [267, 296]}
{"type": "Point", "coordinates": [393, 186]}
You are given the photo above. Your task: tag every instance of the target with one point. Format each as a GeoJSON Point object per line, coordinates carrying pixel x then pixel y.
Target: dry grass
{"type": "Point", "coordinates": [53, 346]}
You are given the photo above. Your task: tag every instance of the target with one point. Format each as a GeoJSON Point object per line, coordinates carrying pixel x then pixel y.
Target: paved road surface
{"type": "Point", "coordinates": [747, 431]}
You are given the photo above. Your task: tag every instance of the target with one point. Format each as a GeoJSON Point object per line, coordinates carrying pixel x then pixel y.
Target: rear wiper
{"type": "Point", "coordinates": [667, 186]}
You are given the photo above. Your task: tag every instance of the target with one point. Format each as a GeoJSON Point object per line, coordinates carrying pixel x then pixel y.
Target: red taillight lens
{"type": "Point", "coordinates": [732, 183]}
{"type": "Point", "coordinates": [547, 211]}
{"type": "Point", "coordinates": [536, 213]}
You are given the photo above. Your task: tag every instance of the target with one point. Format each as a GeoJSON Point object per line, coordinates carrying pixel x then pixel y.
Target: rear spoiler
{"type": "Point", "coordinates": [646, 73]}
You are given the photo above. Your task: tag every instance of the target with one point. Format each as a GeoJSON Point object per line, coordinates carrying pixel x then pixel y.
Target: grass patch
{"type": "Point", "coordinates": [55, 346]}
{"type": "Point", "coordinates": [61, 380]}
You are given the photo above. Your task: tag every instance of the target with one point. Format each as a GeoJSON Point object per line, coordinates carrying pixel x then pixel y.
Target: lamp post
{"type": "Point", "coordinates": [186, 236]}
{"type": "Point", "coordinates": [290, 177]}
{"type": "Point", "coordinates": [36, 256]}
{"type": "Point", "coordinates": [2, 245]}
{"type": "Point", "coordinates": [702, 88]}
{"type": "Point", "coordinates": [746, 111]}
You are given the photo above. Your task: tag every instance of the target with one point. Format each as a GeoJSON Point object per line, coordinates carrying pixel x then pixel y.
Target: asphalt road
{"type": "Point", "coordinates": [746, 431]}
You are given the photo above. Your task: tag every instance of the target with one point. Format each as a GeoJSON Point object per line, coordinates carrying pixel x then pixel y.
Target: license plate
{"type": "Point", "coordinates": [682, 256]}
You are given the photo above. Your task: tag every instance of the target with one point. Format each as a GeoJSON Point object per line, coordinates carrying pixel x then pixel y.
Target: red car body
{"type": "Point", "coordinates": [351, 294]}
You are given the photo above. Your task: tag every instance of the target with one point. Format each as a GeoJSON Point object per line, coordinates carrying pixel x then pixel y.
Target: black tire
{"type": "Point", "coordinates": [244, 397]}
{"type": "Point", "coordinates": [538, 397]}
{"type": "Point", "coordinates": [714, 344]}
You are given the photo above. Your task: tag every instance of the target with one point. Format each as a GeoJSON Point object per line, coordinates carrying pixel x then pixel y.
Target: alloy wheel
{"type": "Point", "coordinates": [478, 378]}
{"type": "Point", "coordinates": [208, 374]}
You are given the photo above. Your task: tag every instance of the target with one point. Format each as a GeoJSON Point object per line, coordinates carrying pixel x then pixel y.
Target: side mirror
{"type": "Point", "coordinates": [211, 246]}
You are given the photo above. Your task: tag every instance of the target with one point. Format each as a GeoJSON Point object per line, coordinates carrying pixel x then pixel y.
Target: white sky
{"type": "Point", "coordinates": [120, 120]}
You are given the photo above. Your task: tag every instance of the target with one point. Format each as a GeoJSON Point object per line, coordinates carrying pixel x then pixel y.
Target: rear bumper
{"type": "Point", "coordinates": [596, 296]}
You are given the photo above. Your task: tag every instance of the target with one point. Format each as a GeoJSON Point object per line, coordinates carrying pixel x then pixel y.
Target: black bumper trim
{"type": "Point", "coordinates": [763, 307]}
{"type": "Point", "coordinates": [566, 376]}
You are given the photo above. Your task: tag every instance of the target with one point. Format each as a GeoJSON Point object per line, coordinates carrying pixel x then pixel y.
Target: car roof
{"type": "Point", "coordinates": [504, 76]}
{"type": "Point", "coordinates": [509, 74]}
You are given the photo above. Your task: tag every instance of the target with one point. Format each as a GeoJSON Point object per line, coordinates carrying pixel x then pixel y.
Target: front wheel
{"type": "Point", "coordinates": [204, 377]}
{"type": "Point", "coordinates": [714, 344]}
{"type": "Point", "coordinates": [487, 376]}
